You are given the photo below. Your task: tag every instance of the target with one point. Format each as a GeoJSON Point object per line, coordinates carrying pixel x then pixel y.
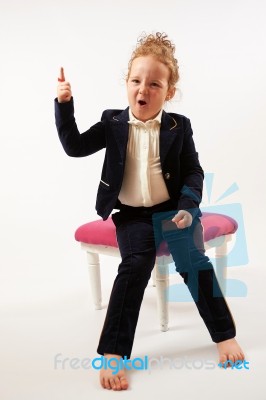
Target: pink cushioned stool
{"type": "Point", "coordinates": [99, 237]}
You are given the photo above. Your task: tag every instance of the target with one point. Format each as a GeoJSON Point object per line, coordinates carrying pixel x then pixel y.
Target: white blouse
{"type": "Point", "coordinates": [143, 183]}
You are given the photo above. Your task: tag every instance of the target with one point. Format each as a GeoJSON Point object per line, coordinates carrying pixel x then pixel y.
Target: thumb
{"type": "Point", "coordinates": [178, 216]}
{"type": "Point", "coordinates": [183, 219]}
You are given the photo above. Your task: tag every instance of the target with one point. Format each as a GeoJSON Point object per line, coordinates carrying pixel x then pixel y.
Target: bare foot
{"type": "Point", "coordinates": [111, 380]}
{"type": "Point", "coordinates": [230, 350]}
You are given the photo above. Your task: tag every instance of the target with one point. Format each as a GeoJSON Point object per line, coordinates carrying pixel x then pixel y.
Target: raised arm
{"type": "Point", "coordinates": [75, 144]}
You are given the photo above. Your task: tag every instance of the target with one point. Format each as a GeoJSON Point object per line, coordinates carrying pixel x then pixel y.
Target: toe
{"type": "Point", "coordinates": [117, 383]}
{"type": "Point", "coordinates": [107, 384]}
{"type": "Point", "coordinates": [112, 383]}
{"type": "Point", "coordinates": [230, 358]}
{"type": "Point", "coordinates": [124, 382]}
{"type": "Point", "coordinates": [223, 358]}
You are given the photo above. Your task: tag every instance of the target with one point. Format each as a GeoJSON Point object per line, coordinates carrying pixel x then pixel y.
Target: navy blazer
{"type": "Point", "coordinates": [181, 169]}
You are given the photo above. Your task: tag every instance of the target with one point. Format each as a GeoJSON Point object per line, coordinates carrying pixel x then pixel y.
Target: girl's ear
{"type": "Point", "coordinates": [170, 93]}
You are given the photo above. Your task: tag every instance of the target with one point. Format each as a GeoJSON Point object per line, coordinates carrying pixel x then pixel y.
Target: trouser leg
{"type": "Point", "coordinates": [137, 248]}
{"type": "Point", "coordinates": [187, 249]}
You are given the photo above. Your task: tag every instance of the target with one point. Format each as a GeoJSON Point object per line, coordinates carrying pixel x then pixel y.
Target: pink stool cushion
{"type": "Point", "coordinates": [101, 232]}
{"type": "Point", "coordinates": [97, 232]}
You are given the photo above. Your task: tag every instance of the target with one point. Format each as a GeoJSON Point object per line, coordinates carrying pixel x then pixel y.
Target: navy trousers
{"type": "Point", "coordinates": [140, 230]}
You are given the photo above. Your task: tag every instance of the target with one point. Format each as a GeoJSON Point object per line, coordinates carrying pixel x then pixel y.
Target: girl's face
{"type": "Point", "coordinates": [147, 87]}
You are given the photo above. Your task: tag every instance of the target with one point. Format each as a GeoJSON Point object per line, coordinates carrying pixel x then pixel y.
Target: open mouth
{"type": "Point", "coordinates": [142, 102]}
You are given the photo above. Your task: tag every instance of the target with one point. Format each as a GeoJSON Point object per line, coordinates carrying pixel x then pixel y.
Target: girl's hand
{"type": "Point", "coordinates": [64, 93]}
{"type": "Point", "coordinates": [183, 219]}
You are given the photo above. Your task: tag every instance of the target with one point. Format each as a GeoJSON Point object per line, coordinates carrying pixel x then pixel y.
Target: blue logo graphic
{"type": "Point", "coordinates": [239, 364]}
{"type": "Point", "coordinates": [236, 250]}
{"type": "Point", "coordinates": [117, 364]}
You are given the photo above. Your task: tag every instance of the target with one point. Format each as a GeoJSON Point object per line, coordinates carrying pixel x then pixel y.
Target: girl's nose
{"type": "Point", "coordinates": [142, 90]}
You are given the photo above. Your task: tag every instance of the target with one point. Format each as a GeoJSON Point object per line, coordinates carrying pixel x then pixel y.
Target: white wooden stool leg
{"type": "Point", "coordinates": [162, 283]}
{"type": "Point", "coordinates": [221, 263]}
{"type": "Point", "coordinates": [95, 279]}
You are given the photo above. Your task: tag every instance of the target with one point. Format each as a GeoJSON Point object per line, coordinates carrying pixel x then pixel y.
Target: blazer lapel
{"type": "Point", "coordinates": [168, 132]}
{"type": "Point", "coordinates": [119, 125]}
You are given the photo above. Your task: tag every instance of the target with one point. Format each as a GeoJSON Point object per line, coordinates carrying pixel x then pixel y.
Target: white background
{"type": "Point", "coordinates": [46, 195]}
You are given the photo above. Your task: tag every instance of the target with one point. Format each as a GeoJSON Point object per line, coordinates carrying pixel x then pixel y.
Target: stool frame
{"type": "Point", "coordinates": [160, 275]}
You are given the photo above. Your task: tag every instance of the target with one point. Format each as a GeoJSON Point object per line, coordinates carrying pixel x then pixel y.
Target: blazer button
{"type": "Point", "coordinates": [167, 175]}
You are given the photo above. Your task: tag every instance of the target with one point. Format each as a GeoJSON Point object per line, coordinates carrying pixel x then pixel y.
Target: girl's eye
{"type": "Point", "coordinates": [154, 84]}
{"type": "Point", "coordinates": [135, 81]}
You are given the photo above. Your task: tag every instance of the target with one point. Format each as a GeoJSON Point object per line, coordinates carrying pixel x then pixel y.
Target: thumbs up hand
{"type": "Point", "coordinates": [64, 93]}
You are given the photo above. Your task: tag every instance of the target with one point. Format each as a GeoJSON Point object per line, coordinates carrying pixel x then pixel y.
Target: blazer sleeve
{"type": "Point", "coordinates": [77, 144]}
{"type": "Point", "coordinates": [192, 174]}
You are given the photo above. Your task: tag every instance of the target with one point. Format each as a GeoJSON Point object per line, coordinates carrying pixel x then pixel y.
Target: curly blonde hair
{"type": "Point", "coordinates": [160, 47]}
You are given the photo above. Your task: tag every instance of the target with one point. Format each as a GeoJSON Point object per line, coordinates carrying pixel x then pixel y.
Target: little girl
{"type": "Point", "coordinates": [152, 175]}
